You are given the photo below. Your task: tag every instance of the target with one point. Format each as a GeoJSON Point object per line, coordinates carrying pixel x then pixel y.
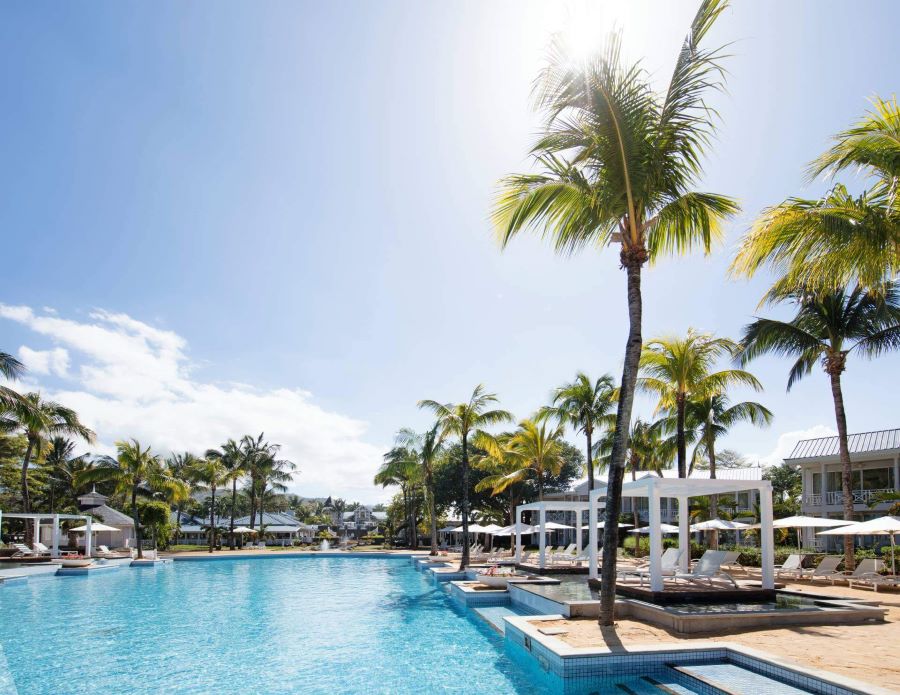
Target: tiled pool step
{"type": "Point", "coordinates": [732, 678]}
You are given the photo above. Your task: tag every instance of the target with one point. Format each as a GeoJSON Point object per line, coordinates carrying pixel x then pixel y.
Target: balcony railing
{"type": "Point", "coordinates": [837, 497]}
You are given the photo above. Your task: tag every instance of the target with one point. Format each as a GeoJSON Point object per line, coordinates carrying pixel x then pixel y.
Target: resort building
{"type": "Point", "coordinates": [361, 521]}
{"type": "Point", "coordinates": [94, 503]}
{"type": "Point", "coordinates": [279, 528]}
{"type": "Point", "coordinates": [876, 470]}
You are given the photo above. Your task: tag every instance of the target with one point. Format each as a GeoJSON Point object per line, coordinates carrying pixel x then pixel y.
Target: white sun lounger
{"type": "Point", "coordinates": [874, 580]}
{"type": "Point", "coordinates": [668, 563]}
{"type": "Point", "coordinates": [23, 550]}
{"type": "Point", "coordinates": [793, 566]}
{"type": "Point", "coordinates": [707, 568]}
{"type": "Point", "coordinates": [867, 567]}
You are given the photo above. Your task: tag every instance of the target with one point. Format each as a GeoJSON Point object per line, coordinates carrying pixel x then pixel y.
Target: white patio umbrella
{"type": "Point", "coordinates": [602, 524]}
{"type": "Point", "coordinates": [719, 525]}
{"type": "Point", "coordinates": [96, 526]}
{"type": "Point", "coordinates": [882, 526]}
{"type": "Point", "coordinates": [492, 528]}
{"type": "Point", "coordinates": [665, 528]}
{"type": "Point", "coordinates": [244, 529]}
{"type": "Point", "coordinates": [800, 522]}
{"type": "Point", "coordinates": [553, 526]}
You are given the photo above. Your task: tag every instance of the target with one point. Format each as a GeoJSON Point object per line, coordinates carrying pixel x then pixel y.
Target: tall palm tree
{"type": "Point", "coordinates": [828, 328]}
{"type": "Point", "coordinates": [711, 417]}
{"type": "Point", "coordinates": [181, 467]}
{"type": "Point", "coordinates": [254, 450]}
{"type": "Point", "coordinates": [401, 468]}
{"type": "Point", "coordinates": [39, 420]}
{"type": "Point", "coordinates": [534, 450]}
{"type": "Point", "coordinates": [430, 447]}
{"type": "Point", "coordinates": [500, 463]}
{"type": "Point", "coordinates": [841, 239]}
{"type": "Point", "coordinates": [232, 457]}
{"type": "Point", "coordinates": [64, 468]}
{"type": "Point", "coordinates": [467, 420]}
{"type": "Point", "coordinates": [680, 369]}
{"type": "Point", "coordinates": [12, 369]}
{"type": "Point", "coordinates": [585, 405]}
{"type": "Point", "coordinates": [211, 473]}
{"type": "Point", "coordinates": [272, 474]}
{"type": "Point", "coordinates": [134, 471]}
{"type": "Point", "coordinates": [619, 165]}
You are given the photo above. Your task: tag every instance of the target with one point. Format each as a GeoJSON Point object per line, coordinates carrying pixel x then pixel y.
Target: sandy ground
{"type": "Point", "coordinates": [865, 652]}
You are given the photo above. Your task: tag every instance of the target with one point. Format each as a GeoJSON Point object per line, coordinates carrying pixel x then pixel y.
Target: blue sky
{"type": "Point", "coordinates": [275, 216]}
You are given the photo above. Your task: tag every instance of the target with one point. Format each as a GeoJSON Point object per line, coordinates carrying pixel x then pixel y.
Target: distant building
{"type": "Point", "coordinates": [94, 503]}
{"type": "Point", "coordinates": [875, 458]}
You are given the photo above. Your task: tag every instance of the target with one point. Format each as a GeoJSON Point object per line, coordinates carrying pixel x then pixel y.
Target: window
{"type": "Point", "coordinates": [834, 481]}
{"type": "Point", "coordinates": [878, 478]}
{"type": "Point", "coordinates": [817, 483]}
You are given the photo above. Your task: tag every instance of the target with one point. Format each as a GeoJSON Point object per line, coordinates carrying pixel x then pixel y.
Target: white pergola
{"type": "Point", "coordinates": [655, 488]}
{"type": "Point", "coordinates": [541, 508]}
{"type": "Point", "coordinates": [54, 519]}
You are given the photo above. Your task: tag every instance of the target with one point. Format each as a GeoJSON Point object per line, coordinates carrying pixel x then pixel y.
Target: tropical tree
{"type": "Point", "coordinates": [135, 471]}
{"type": "Point", "coordinates": [618, 166]}
{"type": "Point", "coordinates": [272, 474]}
{"type": "Point", "coordinates": [63, 469]}
{"type": "Point", "coordinates": [211, 473]}
{"type": "Point", "coordinates": [429, 447]}
{"type": "Point", "coordinates": [12, 369]}
{"type": "Point", "coordinates": [532, 450]}
{"type": "Point", "coordinates": [38, 420]}
{"type": "Point", "coordinates": [841, 239]}
{"type": "Point", "coordinates": [828, 327]}
{"type": "Point", "coordinates": [401, 468]}
{"type": "Point", "coordinates": [232, 457]}
{"type": "Point", "coordinates": [501, 466]}
{"type": "Point", "coordinates": [181, 467]}
{"type": "Point", "coordinates": [585, 405]}
{"type": "Point", "coordinates": [678, 370]}
{"type": "Point", "coordinates": [467, 420]}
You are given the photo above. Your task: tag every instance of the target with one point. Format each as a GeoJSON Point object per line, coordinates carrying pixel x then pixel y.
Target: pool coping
{"type": "Point", "coordinates": [293, 554]}
{"type": "Point", "coordinates": [526, 625]}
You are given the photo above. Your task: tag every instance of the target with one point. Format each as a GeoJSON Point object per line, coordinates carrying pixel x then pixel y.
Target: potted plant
{"type": "Point", "coordinates": [496, 577]}
{"type": "Point", "coordinates": [76, 561]}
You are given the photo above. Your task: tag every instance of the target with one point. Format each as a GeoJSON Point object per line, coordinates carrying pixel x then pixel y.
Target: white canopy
{"type": "Point", "coordinates": [665, 528]}
{"type": "Point", "coordinates": [244, 529]}
{"type": "Point", "coordinates": [492, 528]}
{"type": "Point", "coordinates": [602, 524]}
{"type": "Point", "coordinates": [882, 526]}
{"type": "Point", "coordinates": [719, 525]}
{"type": "Point", "coordinates": [807, 522]}
{"type": "Point", "coordinates": [96, 526]}
{"type": "Point", "coordinates": [553, 526]}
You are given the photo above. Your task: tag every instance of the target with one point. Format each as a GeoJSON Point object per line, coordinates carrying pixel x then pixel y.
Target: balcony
{"type": "Point", "coordinates": [862, 497]}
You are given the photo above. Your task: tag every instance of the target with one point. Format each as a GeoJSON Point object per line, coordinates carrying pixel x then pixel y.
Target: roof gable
{"type": "Point", "coordinates": [864, 442]}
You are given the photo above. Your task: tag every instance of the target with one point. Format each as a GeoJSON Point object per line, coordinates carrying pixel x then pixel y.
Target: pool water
{"type": "Point", "coordinates": [782, 602]}
{"type": "Point", "coordinates": [291, 625]}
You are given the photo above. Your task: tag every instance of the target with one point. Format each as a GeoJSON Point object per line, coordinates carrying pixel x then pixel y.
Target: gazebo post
{"type": "Point", "coordinates": [767, 540]}
{"type": "Point", "coordinates": [518, 522]}
{"type": "Point", "coordinates": [54, 551]}
{"type": "Point", "coordinates": [578, 532]}
{"type": "Point", "coordinates": [542, 543]}
{"type": "Point", "coordinates": [684, 534]}
{"type": "Point", "coordinates": [592, 536]}
{"type": "Point", "coordinates": [88, 548]}
{"type": "Point", "coordinates": [656, 579]}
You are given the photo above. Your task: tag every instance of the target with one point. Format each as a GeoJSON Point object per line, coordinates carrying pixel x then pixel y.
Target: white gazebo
{"type": "Point", "coordinates": [543, 526]}
{"type": "Point", "coordinates": [54, 520]}
{"type": "Point", "coordinates": [655, 489]}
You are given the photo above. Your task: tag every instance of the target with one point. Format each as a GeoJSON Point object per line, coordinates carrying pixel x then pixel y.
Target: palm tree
{"type": "Point", "coordinates": [134, 471]}
{"type": "Point", "coordinates": [12, 369]}
{"type": "Point", "coordinates": [841, 239]}
{"type": "Point", "coordinates": [254, 451]}
{"type": "Point", "coordinates": [429, 447]}
{"type": "Point", "coordinates": [232, 457]}
{"type": "Point", "coordinates": [533, 449]}
{"type": "Point", "coordinates": [271, 474]}
{"type": "Point", "coordinates": [500, 463]}
{"type": "Point", "coordinates": [619, 164]}
{"type": "Point", "coordinates": [211, 473]}
{"type": "Point", "coordinates": [181, 467]}
{"type": "Point", "coordinates": [585, 405]}
{"type": "Point", "coordinates": [467, 420]}
{"type": "Point", "coordinates": [711, 417]}
{"type": "Point", "coordinates": [829, 327]}
{"type": "Point", "coordinates": [38, 420]}
{"type": "Point", "coordinates": [64, 468]}
{"type": "Point", "coordinates": [401, 468]}
{"type": "Point", "coordinates": [679, 369]}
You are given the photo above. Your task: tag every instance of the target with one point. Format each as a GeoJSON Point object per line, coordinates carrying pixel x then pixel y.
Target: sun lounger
{"type": "Point", "coordinates": [40, 548]}
{"type": "Point", "coordinates": [874, 580]}
{"type": "Point", "coordinates": [707, 568]}
{"type": "Point", "coordinates": [867, 567]}
{"type": "Point", "coordinates": [668, 562]}
{"type": "Point", "coordinates": [23, 550]}
{"type": "Point", "coordinates": [793, 566]}
{"type": "Point", "coordinates": [827, 567]}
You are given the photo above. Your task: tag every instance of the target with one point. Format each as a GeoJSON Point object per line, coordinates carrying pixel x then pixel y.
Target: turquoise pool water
{"type": "Point", "coordinates": [291, 625]}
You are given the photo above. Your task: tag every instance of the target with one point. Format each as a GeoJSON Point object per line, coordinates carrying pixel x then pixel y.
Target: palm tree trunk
{"type": "Point", "coordinates": [233, 500]}
{"type": "Point", "coordinates": [26, 501]}
{"type": "Point", "coordinates": [212, 519]}
{"type": "Point", "coordinates": [253, 502]}
{"type": "Point", "coordinates": [679, 435]}
{"type": "Point", "coordinates": [137, 523]}
{"type": "Point", "coordinates": [590, 461]}
{"type": "Point", "coordinates": [632, 261]}
{"type": "Point", "coordinates": [713, 499]}
{"type": "Point", "coordinates": [464, 560]}
{"type": "Point", "coordinates": [262, 494]}
{"type": "Point", "coordinates": [432, 514]}
{"type": "Point", "coordinates": [846, 467]}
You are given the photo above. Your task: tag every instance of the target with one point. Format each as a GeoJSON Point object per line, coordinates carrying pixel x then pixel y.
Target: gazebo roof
{"type": "Point", "coordinates": [685, 487]}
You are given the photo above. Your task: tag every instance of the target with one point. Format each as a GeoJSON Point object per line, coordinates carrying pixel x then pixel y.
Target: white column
{"type": "Point", "coordinates": [684, 534]}
{"type": "Point", "coordinates": [518, 523]}
{"type": "Point", "coordinates": [88, 540]}
{"type": "Point", "coordinates": [767, 539]}
{"type": "Point", "coordinates": [592, 537]}
{"type": "Point", "coordinates": [543, 540]}
{"type": "Point", "coordinates": [578, 532]}
{"type": "Point", "coordinates": [54, 551]}
{"type": "Point", "coordinates": [656, 579]}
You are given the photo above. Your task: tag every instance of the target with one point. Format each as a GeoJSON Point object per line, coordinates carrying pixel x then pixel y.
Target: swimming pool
{"type": "Point", "coordinates": [285, 625]}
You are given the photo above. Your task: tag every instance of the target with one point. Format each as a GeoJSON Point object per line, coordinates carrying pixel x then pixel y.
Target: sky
{"type": "Point", "coordinates": [274, 217]}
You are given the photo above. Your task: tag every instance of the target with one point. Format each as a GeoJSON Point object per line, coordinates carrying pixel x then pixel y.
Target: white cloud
{"type": "Point", "coordinates": [55, 361]}
{"type": "Point", "coordinates": [133, 380]}
{"type": "Point", "coordinates": [787, 441]}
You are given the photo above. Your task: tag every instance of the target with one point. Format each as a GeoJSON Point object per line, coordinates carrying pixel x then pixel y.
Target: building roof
{"type": "Point", "coordinates": [864, 442]}
{"type": "Point", "coordinates": [742, 473]}
{"type": "Point", "coordinates": [111, 516]}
